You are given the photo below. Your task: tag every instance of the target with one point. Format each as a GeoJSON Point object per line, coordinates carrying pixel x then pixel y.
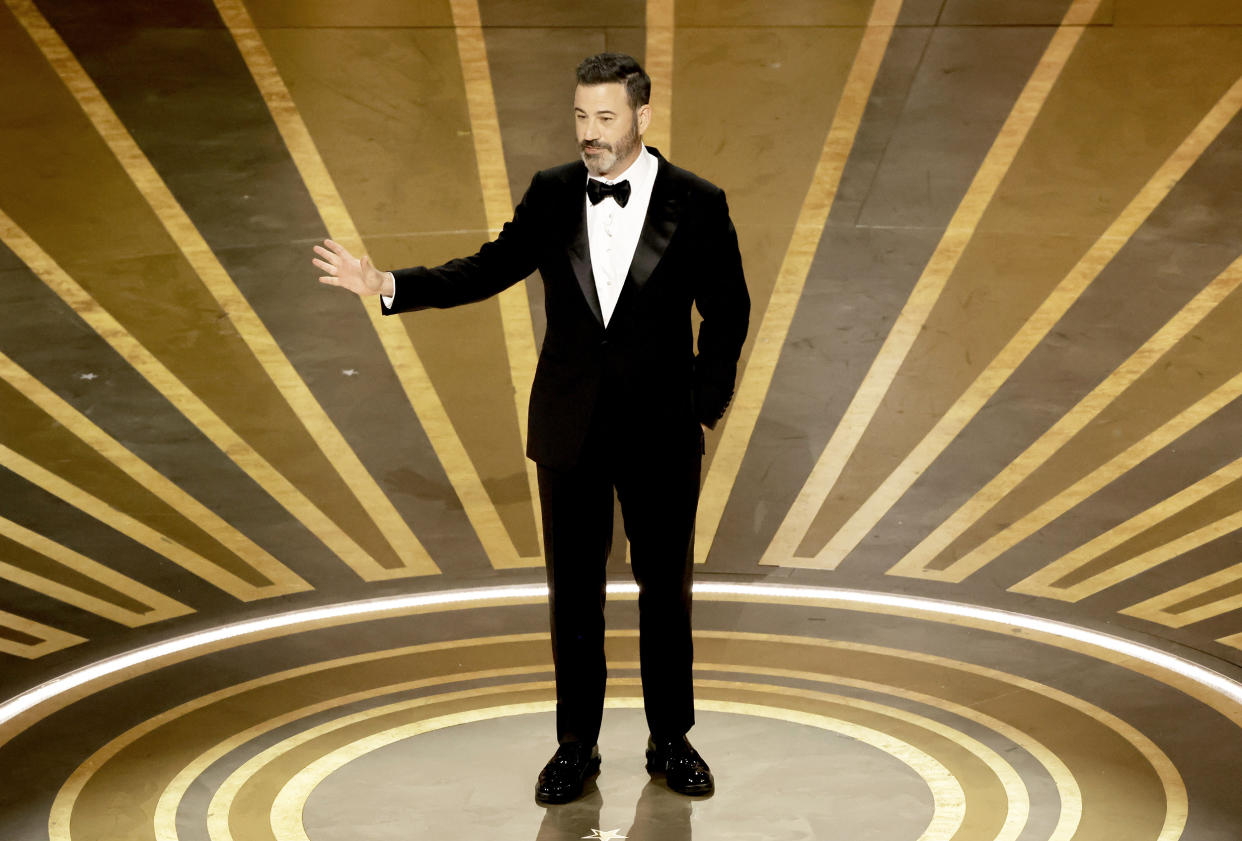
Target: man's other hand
{"type": "Point", "coordinates": [346, 271]}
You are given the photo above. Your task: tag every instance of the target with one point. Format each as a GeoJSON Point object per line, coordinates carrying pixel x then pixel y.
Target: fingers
{"type": "Point", "coordinates": [338, 249]}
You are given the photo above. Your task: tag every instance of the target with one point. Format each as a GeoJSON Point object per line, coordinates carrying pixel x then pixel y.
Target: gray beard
{"type": "Point", "coordinates": [604, 162]}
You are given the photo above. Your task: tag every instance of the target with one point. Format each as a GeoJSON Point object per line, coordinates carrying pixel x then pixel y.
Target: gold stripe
{"type": "Point", "coordinates": [176, 392]}
{"type": "Point", "coordinates": [1036, 327]}
{"type": "Point", "coordinates": [123, 523]}
{"type": "Point", "coordinates": [658, 62]}
{"type": "Point", "coordinates": [1158, 608]}
{"type": "Point", "coordinates": [923, 298]}
{"type": "Point", "coordinates": [1097, 479]}
{"type": "Point", "coordinates": [1043, 581]}
{"type": "Point", "coordinates": [283, 579]}
{"type": "Point", "coordinates": [50, 639]}
{"type": "Point", "coordinates": [161, 607]}
{"type": "Point", "coordinates": [404, 358]}
{"type": "Point", "coordinates": [489, 153]}
{"type": "Point", "coordinates": [739, 424]}
{"type": "Point", "coordinates": [249, 326]}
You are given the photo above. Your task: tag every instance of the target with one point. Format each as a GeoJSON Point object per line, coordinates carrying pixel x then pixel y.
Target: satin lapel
{"type": "Point", "coordinates": [657, 230]}
{"type": "Point", "coordinates": [580, 259]}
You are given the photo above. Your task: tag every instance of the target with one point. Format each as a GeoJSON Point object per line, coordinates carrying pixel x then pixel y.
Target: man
{"type": "Point", "coordinates": [626, 243]}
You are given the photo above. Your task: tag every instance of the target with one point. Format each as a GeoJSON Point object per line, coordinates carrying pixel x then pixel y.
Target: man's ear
{"type": "Point", "coordinates": [644, 119]}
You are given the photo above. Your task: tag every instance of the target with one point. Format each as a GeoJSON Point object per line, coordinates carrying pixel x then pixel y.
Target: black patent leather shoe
{"type": "Point", "coordinates": [683, 769]}
{"type": "Point", "coordinates": [563, 778]}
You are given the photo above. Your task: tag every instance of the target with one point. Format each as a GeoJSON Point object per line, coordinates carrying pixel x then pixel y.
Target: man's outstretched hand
{"type": "Point", "coordinates": [348, 272]}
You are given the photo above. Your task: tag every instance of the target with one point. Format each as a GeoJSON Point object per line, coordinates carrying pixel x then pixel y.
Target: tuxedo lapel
{"type": "Point", "coordinates": [658, 228]}
{"type": "Point", "coordinates": [580, 259]}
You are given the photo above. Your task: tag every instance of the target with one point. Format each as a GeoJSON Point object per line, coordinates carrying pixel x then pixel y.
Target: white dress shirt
{"type": "Point", "coordinates": [613, 231]}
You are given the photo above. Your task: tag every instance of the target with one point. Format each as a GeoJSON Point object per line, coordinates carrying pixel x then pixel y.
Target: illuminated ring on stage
{"type": "Point", "coordinates": [1211, 687]}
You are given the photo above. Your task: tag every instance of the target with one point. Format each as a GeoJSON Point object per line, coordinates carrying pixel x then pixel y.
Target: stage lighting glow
{"type": "Point", "coordinates": [355, 611]}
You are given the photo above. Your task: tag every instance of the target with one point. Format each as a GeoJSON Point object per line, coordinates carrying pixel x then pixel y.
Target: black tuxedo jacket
{"type": "Point", "coordinates": [643, 367]}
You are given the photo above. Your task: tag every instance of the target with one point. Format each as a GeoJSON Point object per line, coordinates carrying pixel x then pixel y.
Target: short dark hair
{"type": "Point", "coordinates": [617, 67]}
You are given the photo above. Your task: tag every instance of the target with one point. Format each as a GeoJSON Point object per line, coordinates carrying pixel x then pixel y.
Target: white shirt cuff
{"type": "Point", "coordinates": [388, 299]}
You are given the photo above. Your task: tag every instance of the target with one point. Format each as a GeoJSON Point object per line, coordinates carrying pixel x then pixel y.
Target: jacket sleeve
{"type": "Point", "coordinates": [724, 304]}
{"type": "Point", "coordinates": [499, 264]}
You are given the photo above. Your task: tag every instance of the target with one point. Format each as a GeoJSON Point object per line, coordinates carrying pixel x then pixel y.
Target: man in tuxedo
{"type": "Point", "coordinates": [626, 244]}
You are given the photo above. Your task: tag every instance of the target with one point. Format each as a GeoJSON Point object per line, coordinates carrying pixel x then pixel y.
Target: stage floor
{"type": "Point", "coordinates": [993, 249]}
{"type": "Point", "coordinates": [823, 714]}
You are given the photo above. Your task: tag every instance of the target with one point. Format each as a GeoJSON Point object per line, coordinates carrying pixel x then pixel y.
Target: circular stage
{"type": "Point", "coordinates": [833, 714]}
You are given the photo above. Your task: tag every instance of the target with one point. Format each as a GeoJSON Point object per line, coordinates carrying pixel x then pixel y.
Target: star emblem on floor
{"type": "Point", "coordinates": [605, 835]}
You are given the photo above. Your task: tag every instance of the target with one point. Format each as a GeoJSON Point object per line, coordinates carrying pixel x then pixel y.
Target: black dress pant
{"type": "Point", "coordinates": [659, 497]}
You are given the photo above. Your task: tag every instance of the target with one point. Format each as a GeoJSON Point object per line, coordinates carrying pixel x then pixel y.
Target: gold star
{"type": "Point", "coordinates": [606, 835]}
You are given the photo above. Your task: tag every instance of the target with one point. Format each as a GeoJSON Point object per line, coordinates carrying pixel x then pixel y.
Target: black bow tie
{"type": "Point", "coordinates": [597, 191]}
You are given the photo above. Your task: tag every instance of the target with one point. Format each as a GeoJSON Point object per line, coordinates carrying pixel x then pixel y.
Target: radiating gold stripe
{"type": "Point", "coordinates": [50, 639]}
{"type": "Point", "coordinates": [123, 523]}
{"type": "Point", "coordinates": [739, 423]}
{"type": "Point", "coordinates": [186, 402]}
{"type": "Point", "coordinates": [1031, 333]}
{"type": "Point", "coordinates": [161, 607]}
{"type": "Point", "coordinates": [489, 153]}
{"type": "Point", "coordinates": [923, 298]}
{"type": "Point", "coordinates": [1097, 479]}
{"type": "Point", "coordinates": [283, 579]}
{"type": "Point", "coordinates": [1043, 582]}
{"type": "Point", "coordinates": [248, 324]}
{"type": "Point", "coordinates": [658, 62]}
{"type": "Point", "coordinates": [1161, 608]}
{"type": "Point", "coordinates": [403, 356]}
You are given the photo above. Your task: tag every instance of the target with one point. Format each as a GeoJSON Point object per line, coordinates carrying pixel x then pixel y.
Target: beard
{"type": "Point", "coordinates": [609, 154]}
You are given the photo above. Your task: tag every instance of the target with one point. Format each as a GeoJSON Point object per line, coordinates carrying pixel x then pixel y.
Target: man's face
{"type": "Point", "coordinates": [609, 131]}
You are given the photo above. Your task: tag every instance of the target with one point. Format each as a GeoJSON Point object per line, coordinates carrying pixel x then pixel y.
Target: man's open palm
{"type": "Point", "coordinates": [343, 269]}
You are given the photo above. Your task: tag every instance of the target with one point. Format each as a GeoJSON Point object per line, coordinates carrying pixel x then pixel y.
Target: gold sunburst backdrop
{"type": "Point", "coordinates": [994, 252]}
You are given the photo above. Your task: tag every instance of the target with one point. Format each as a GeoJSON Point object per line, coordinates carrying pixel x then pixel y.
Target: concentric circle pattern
{"type": "Point", "coordinates": [821, 717]}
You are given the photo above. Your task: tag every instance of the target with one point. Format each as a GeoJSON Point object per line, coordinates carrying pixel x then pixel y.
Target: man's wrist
{"type": "Point", "coordinates": [388, 286]}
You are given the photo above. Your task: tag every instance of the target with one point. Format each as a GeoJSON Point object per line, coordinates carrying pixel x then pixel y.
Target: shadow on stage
{"type": "Point", "coordinates": [659, 814]}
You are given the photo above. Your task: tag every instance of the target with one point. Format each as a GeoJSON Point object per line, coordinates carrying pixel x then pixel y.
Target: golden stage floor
{"type": "Point", "coordinates": [994, 251]}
